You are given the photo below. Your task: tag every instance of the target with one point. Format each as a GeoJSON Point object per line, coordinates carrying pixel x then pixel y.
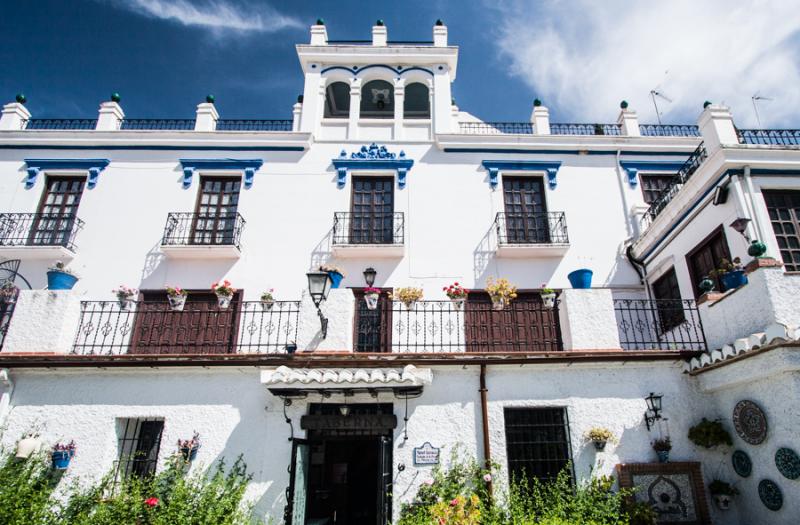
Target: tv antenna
{"type": "Point", "coordinates": [660, 94]}
{"type": "Point", "coordinates": [756, 97]}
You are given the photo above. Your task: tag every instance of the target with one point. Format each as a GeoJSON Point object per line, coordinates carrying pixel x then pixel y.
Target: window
{"type": "Point", "coordinates": [706, 257]}
{"type": "Point", "coordinates": [537, 442]}
{"type": "Point", "coordinates": [337, 100]}
{"type": "Point", "coordinates": [784, 213]}
{"type": "Point", "coordinates": [372, 211]}
{"type": "Point", "coordinates": [58, 211]}
{"type": "Point", "coordinates": [216, 210]}
{"type": "Point", "coordinates": [417, 102]}
{"type": "Point", "coordinates": [377, 99]}
{"type": "Point", "coordinates": [525, 211]}
{"type": "Point", "coordinates": [139, 444]}
{"type": "Point", "coordinates": [653, 185]}
{"type": "Point", "coordinates": [669, 305]}
{"type": "Point", "coordinates": [373, 327]}
{"type": "Point", "coordinates": [523, 326]}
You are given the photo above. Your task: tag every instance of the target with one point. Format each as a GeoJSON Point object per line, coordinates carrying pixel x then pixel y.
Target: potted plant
{"type": "Point", "coordinates": [59, 277]}
{"type": "Point", "coordinates": [8, 292]}
{"type": "Point", "coordinates": [176, 297]}
{"type": "Point", "coordinates": [267, 300]}
{"type": "Point", "coordinates": [62, 455]}
{"type": "Point", "coordinates": [28, 445]}
{"type": "Point", "coordinates": [457, 295]}
{"type": "Point", "coordinates": [125, 295]}
{"type": "Point", "coordinates": [408, 296]}
{"type": "Point", "coordinates": [501, 292]}
{"type": "Point", "coordinates": [548, 296]}
{"type": "Point", "coordinates": [371, 295]}
{"type": "Point", "coordinates": [336, 274]}
{"type": "Point", "coordinates": [706, 285]}
{"type": "Point", "coordinates": [581, 278]}
{"type": "Point", "coordinates": [722, 492]}
{"type": "Point", "coordinates": [709, 434]}
{"type": "Point", "coordinates": [731, 274]}
{"type": "Point", "coordinates": [224, 292]}
{"type": "Point", "coordinates": [189, 447]}
{"type": "Point", "coordinates": [600, 436]}
{"type": "Point", "coordinates": [662, 446]}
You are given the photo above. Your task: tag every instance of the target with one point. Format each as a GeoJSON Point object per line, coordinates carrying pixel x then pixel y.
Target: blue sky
{"type": "Point", "coordinates": [580, 56]}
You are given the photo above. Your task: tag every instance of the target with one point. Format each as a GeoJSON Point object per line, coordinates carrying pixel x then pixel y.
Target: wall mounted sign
{"type": "Point", "coordinates": [788, 463]}
{"type": "Point", "coordinates": [770, 494]}
{"type": "Point", "coordinates": [741, 463]}
{"type": "Point", "coordinates": [750, 422]}
{"type": "Point", "coordinates": [350, 422]}
{"type": "Point", "coordinates": [674, 490]}
{"type": "Point", "coordinates": [427, 454]}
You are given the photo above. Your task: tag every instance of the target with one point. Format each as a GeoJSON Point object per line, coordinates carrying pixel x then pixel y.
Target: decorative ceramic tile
{"type": "Point", "coordinates": [674, 490]}
{"type": "Point", "coordinates": [770, 494]}
{"type": "Point", "coordinates": [788, 463]}
{"type": "Point", "coordinates": [750, 422]}
{"type": "Point", "coordinates": [741, 463]}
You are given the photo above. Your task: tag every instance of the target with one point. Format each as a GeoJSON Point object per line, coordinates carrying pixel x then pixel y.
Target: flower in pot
{"type": "Point", "coordinates": [59, 277]}
{"type": "Point", "coordinates": [62, 454]}
{"type": "Point", "coordinates": [709, 434]}
{"type": "Point", "coordinates": [731, 274]}
{"type": "Point", "coordinates": [457, 294]}
{"type": "Point", "coordinates": [706, 285]}
{"type": "Point", "coordinates": [125, 296]}
{"type": "Point", "coordinates": [548, 296]}
{"type": "Point", "coordinates": [408, 296]}
{"type": "Point", "coordinates": [662, 446]}
{"type": "Point", "coordinates": [176, 297]}
{"type": "Point", "coordinates": [336, 274]}
{"type": "Point", "coordinates": [267, 300]}
{"type": "Point", "coordinates": [600, 436]}
{"type": "Point", "coordinates": [224, 292]}
{"type": "Point", "coordinates": [8, 292]}
{"type": "Point", "coordinates": [501, 292]}
{"type": "Point", "coordinates": [189, 447]}
{"type": "Point", "coordinates": [722, 492]}
{"type": "Point", "coordinates": [371, 295]}
{"type": "Point", "coordinates": [28, 445]}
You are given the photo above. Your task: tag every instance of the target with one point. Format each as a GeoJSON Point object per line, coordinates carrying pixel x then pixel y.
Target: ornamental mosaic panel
{"type": "Point", "coordinates": [788, 463]}
{"type": "Point", "coordinates": [750, 422]}
{"type": "Point", "coordinates": [770, 494]}
{"type": "Point", "coordinates": [674, 490]}
{"type": "Point", "coordinates": [741, 463]}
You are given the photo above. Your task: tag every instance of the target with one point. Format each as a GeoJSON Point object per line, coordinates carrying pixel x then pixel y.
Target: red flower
{"type": "Point", "coordinates": [454, 502]}
{"type": "Point", "coordinates": [151, 502]}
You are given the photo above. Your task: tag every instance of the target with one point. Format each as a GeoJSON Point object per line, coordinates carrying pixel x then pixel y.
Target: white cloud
{"type": "Point", "coordinates": [585, 56]}
{"type": "Point", "coordinates": [218, 15]}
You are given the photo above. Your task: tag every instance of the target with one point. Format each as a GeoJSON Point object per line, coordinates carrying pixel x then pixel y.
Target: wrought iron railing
{"type": "Point", "coordinates": [8, 301]}
{"type": "Point", "coordinates": [585, 129]}
{"type": "Point", "coordinates": [686, 171]}
{"type": "Point", "coordinates": [368, 228]}
{"type": "Point", "coordinates": [199, 229]}
{"type": "Point", "coordinates": [532, 228]}
{"type": "Point", "coordinates": [152, 328]}
{"type": "Point", "coordinates": [39, 229]}
{"type": "Point", "coordinates": [659, 324]}
{"type": "Point", "coordinates": [496, 128]}
{"type": "Point", "coordinates": [669, 130]}
{"type": "Point", "coordinates": [772, 137]}
{"type": "Point", "coordinates": [254, 125]}
{"type": "Point", "coordinates": [181, 124]}
{"type": "Point", "coordinates": [60, 123]}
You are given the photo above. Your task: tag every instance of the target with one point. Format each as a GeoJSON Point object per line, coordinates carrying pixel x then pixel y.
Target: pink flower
{"type": "Point", "coordinates": [428, 482]}
{"type": "Point", "coordinates": [487, 478]}
{"type": "Point", "coordinates": [151, 502]}
{"type": "Point", "coordinates": [454, 502]}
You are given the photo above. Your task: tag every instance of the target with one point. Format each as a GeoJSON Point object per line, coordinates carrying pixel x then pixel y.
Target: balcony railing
{"type": "Point", "coordinates": [368, 228]}
{"type": "Point", "coordinates": [183, 124]}
{"type": "Point", "coordinates": [669, 130]}
{"type": "Point", "coordinates": [39, 229]}
{"type": "Point", "coordinates": [686, 171]}
{"type": "Point", "coordinates": [496, 128]}
{"type": "Point", "coordinates": [8, 300]}
{"type": "Point", "coordinates": [659, 324]}
{"type": "Point", "coordinates": [60, 123]}
{"type": "Point", "coordinates": [585, 129]}
{"type": "Point", "coordinates": [532, 228]}
{"type": "Point", "coordinates": [772, 137]}
{"type": "Point", "coordinates": [254, 125]}
{"type": "Point", "coordinates": [151, 328]}
{"type": "Point", "coordinates": [197, 229]}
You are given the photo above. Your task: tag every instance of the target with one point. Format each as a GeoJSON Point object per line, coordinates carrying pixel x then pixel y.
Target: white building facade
{"type": "Point", "coordinates": [339, 409]}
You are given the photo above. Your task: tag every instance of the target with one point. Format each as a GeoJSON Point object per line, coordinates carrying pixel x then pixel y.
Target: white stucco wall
{"type": "Point", "coordinates": [48, 322]}
{"type": "Point", "coordinates": [588, 321]}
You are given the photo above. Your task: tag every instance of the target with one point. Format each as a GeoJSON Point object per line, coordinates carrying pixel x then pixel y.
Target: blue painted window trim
{"type": "Point", "coordinates": [93, 166]}
{"type": "Point", "coordinates": [633, 167]}
{"type": "Point", "coordinates": [399, 165]}
{"type": "Point", "coordinates": [494, 167]}
{"type": "Point", "coordinates": [249, 166]}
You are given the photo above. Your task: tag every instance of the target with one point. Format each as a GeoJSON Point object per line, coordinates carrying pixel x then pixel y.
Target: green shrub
{"type": "Point", "coordinates": [25, 489]}
{"type": "Point", "coordinates": [709, 434]}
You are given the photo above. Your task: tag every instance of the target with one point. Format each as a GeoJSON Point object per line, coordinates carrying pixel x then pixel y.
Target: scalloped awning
{"type": "Point", "coordinates": [285, 377]}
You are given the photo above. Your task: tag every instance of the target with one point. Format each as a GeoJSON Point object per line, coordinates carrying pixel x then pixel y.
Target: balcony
{"type": "Point", "coordinates": [38, 236]}
{"type": "Point", "coordinates": [769, 137]}
{"type": "Point", "coordinates": [208, 236]}
{"type": "Point", "coordinates": [531, 234]}
{"type": "Point", "coordinates": [158, 124]}
{"type": "Point", "coordinates": [254, 125]}
{"type": "Point", "coordinates": [659, 324]}
{"type": "Point", "coordinates": [378, 235]}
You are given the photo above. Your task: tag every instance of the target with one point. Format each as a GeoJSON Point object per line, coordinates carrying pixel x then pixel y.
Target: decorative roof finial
{"type": "Point", "coordinates": [623, 104]}
{"type": "Point", "coordinates": [115, 97]}
{"type": "Point", "coordinates": [21, 98]}
{"type": "Point", "coordinates": [379, 22]}
{"type": "Point", "coordinates": [706, 104]}
{"type": "Point", "coordinates": [537, 102]}
{"type": "Point", "coordinates": [439, 22]}
{"type": "Point", "coordinates": [210, 98]}
{"type": "Point", "coordinates": [320, 22]}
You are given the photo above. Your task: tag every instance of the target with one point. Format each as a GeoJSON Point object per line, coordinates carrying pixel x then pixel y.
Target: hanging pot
{"type": "Point", "coordinates": [267, 304]}
{"type": "Point", "coordinates": [124, 301]}
{"type": "Point", "coordinates": [224, 301]}
{"type": "Point", "coordinates": [176, 302]}
{"type": "Point", "coordinates": [733, 279]}
{"type": "Point", "coordinates": [599, 445]}
{"type": "Point", "coordinates": [372, 300]}
{"type": "Point", "coordinates": [28, 446]}
{"type": "Point", "coordinates": [581, 278]}
{"type": "Point", "coordinates": [549, 300]}
{"type": "Point", "coordinates": [499, 303]}
{"type": "Point", "coordinates": [336, 279]}
{"type": "Point", "coordinates": [61, 459]}
{"type": "Point", "coordinates": [59, 280]}
{"type": "Point", "coordinates": [410, 304]}
{"type": "Point", "coordinates": [663, 455]}
{"type": "Point", "coordinates": [722, 501]}
{"type": "Point", "coordinates": [189, 453]}
{"type": "Point", "coordinates": [458, 302]}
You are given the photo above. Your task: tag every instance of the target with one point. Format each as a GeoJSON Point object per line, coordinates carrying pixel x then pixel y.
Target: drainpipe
{"type": "Point", "coordinates": [5, 398]}
{"type": "Point", "coordinates": [487, 451]}
{"type": "Point", "coordinates": [750, 193]}
{"type": "Point", "coordinates": [742, 208]}
{"type": "Point", "coordinates": [637, 264]}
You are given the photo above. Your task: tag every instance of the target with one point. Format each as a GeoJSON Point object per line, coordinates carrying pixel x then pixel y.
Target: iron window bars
{"type": "Point", "coordinates": [368, 228]}
{"type": "Point", "coordinates": [537, 442]}
{"type": "Point", "coordinates": [39, 229]}
{"type": "Point", "coordinates": [139, 443]}
{"type": "Point", "coordinates": [656, 324]}
{"type": "Point", "coordinates": [532, 228]}
{"type": "Point", "coordinates": [203, 229]}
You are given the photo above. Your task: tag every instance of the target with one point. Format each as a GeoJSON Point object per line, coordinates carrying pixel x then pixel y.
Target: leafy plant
{"type": "Point", "coordinates": [175, 291]}
{"type": "Point", "coordinates": [640, 513]}
{"type": "Point", "coordinates": [190, 443]}
{"type": "Point", "coordinates": [600, 434]}
{"type": "Point", "coordinates": [224, 288]}
{"type": "Point", "coordinates": [65, 447]}
{"type": "Point", "coordinates": [547, 290]}
{"type": "Point", "coordinates": [722, 487]}
{"type": "Point", "coordinates": [267, 296]}
{"type": "Point", "coordinates": [125, 292]}
{"type": "Point", "coordinates": [662, 444]}
{"type": "Point", "coordinates": [372, 290]}
{"type": "Point", "coordinates": [709, 434]}
{"type": "Point", "coordinates": [455, 291]}
{"type": "Point", "coordinates": [726, 266]}
{"type": "Point", "coordinates": [501, 289]}
{"type": "Point", "coordinates": [25, 490]}
{"type": "Point", "coordinates": [59, 266]}
{"type": "Point", "coordinates": [408, 295]}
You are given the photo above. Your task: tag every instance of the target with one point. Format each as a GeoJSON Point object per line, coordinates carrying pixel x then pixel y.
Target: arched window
{"type": "Point", "coordinates": [337, 100]}
{"type": "Point", "coordinates": [377, 99]}
{"type": "Point", "coordinates": [417, 103]}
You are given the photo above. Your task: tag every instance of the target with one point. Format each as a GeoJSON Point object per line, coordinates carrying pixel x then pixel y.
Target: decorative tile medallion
{"type": "Point", "coordinates": [741, 463]}
{"type": "Point", "coordinates": [674, 490]}
{"type": "Point", "coordinates": [770, 494]}
{"type": "Point", "coordinates": [750, 422]}
{"type": "Point", "coordinates": [788, 463]}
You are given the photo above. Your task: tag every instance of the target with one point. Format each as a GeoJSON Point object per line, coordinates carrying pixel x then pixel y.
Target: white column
{"type": "Point", "coordinates": [313, 102]}
{"type": "Point", "coordinates": [399, 102]}
{"type": "Point", "coordinates": [716, 127]}
{"type": "Point", "coordinates": [442, 100]}
{"type": "Point", "coordinates": [355, 108]}
{"type": "Point", "coordinates": [629, 121]}
{"type": "Point", "coordinates": [380, 35]}
{"type": "Point", "coordinates": [110, 116]}
{"type": "Point", "coordinates": [588, 321]}
{"type": "Point", "coordinates": [455, 112]}
{"type": "Point", "coordinates": [540, 119]}
{"type": "Point", "coordinates": [14, 116]}
{"type": "Point", "coordinates": [339, 309]}
{"type": "Point", "coordinates": [297, 111]}
{"type": "Point", "coordinates": [439, 34]}
{"type": "Point", "coordinates": [319, 34]}
{"type": "Point", "coordinates": [206, 117]}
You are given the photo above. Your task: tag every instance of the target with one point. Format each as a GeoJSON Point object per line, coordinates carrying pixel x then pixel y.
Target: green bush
{"type": "Point", "coordinates": [709, 434]}
{"type": "Point", "coordinates": [25, 489]}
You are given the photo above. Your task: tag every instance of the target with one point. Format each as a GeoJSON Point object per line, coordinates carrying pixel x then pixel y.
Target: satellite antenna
{"type": "Point", "coordinates": [755, 98]}
{"type": "Point", "coordinates": [660, 94]}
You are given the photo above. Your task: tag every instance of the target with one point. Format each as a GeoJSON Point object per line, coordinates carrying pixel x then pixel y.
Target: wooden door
{"type": "Point", "coordinates": [58, 211]}
{"type": "Point", "coordinates": [526, 211]}
{"type": "Point", "coordinates": [373, 328]}
{"type": "Point", "coordinates": [523, 326]}
{"type": "Point", "coordinates": [706, 257]}
{"type": "Point", "coordinates": [372, 210]}
{"type": "Point", "coordinates": [217, 206]}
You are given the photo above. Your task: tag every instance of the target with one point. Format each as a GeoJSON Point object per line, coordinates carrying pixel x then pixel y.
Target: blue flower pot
{"type": "Point", "coordinates": [663, 455]}
{"type": "Point", "coordinates": [58, 280]}
{"type": "Point", "coordinates": [580, 278]}
{"type": "Point", "coordinates": [190, 454]}
{"type": "Point", "coordinates": [336, 279]}
{"type": "Point", "coordinates": [733, 280]}
{"type": "Point", "coordinates": [61, 459]}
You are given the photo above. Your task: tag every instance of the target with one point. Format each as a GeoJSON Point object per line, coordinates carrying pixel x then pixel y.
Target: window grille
{"type": "Point", "coordinates": [139, 444]}
{"type": "Point", "coordinates": [537, 442]}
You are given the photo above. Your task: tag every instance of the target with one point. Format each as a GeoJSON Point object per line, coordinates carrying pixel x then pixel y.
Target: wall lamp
{"type": "Point", "coordinates": [740, 225]}
{"type": "Point", "coordinates": [369, 276]}
{"type": "Point", "coordinates": [653, 412]}
{"type": "Point", "coordinates": [319, 286]}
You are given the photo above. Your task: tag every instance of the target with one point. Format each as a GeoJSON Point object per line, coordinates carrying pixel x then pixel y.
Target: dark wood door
{"type": "Point", "coordinates": [784, 214]}
{"type": "Point", "coordinates": [523, 326]}
{"type": "Point", "coordinates": [58, 211]}
{"type": "Point", "coordinates": [217, 205]}
{"type": "Point", "coordinates": [706, 257]}
{"type": "Point", "coordinates": [373, 328]}
{"type": "Point", "coordinates": [201, 328]}
{"type": "Point", "coordinates": [372, 210]}
{"type": "Point", "coordinates": [526, 211]}
{"type": "Point", "coordinates": [653, 185]}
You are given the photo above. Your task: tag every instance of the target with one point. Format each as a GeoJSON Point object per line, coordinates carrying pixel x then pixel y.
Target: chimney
{"type": "Point", "coordinates": [110, 115]}
{"type": "Point", "coordinates": [716, 127]}
{"type": "Point", "coordinates": [15, 115]}
{"type": "Point", "coordinates": [439, 34]}
{"type": "Point", "coordinates": [540, 118]}
{"type": "Point", "coordinates": [319, 35]}
{"type": "Point", "coordinates": [379, 34]}
{"type": "Point", "coordinates": [628, 120]}
{"type": "Point", "coordinates": [207, 116]}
